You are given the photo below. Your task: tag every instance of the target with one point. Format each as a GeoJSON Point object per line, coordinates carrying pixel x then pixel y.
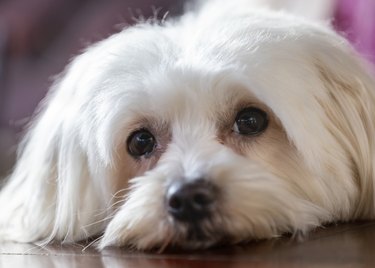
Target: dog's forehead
{"type": "Point", "coordinates": [152, 76]}
{"type": "Point", "coordinates": [180, 92]}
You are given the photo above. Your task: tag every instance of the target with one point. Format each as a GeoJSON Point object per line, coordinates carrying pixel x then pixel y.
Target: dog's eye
{"type": "Point", "coordinates": [141, 143]}
{"type": "Point", "coordinates": [250, 121]}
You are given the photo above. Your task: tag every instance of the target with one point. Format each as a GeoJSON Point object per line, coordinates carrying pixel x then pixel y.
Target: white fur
{"type": "Point", "coordinates": [313, 165]}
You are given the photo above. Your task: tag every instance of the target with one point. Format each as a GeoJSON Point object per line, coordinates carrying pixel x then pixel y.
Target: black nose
{"type": "Point", "coordinates": [190, 201]}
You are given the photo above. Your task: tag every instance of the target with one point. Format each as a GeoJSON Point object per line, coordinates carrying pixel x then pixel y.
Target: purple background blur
{"type": "Point", "coordinates": [38, 37]}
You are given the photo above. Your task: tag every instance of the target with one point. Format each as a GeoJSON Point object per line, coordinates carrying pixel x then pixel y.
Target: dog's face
{"type": "Point", "coordinates": [229, 138]}
{"type": "Point", "coordinates": [246, 128]}
{"type": "Point", "coordinates": [207, 161]}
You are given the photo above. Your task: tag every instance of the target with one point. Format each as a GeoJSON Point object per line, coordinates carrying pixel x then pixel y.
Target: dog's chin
{"type": "Point", "coordinates": [196, 237]}
{"type": "Point", "coordinates": [169, 235]}
{"type": "Point", "coordinates": [192, 245]}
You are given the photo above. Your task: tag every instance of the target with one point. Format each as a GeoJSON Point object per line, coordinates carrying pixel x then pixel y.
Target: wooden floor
{"type": "Point", "coordinates": [344, 245]}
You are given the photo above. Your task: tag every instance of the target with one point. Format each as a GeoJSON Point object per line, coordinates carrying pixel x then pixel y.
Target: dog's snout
{"type": "Point", "coordinates": [190, 201]}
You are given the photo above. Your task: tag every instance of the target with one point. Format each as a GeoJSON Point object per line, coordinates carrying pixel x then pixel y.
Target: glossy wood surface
{"type": "Point", "coordinates": [343, 245]}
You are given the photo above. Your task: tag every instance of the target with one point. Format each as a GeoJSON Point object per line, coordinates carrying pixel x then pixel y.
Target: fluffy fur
{"type": "Point", "coordinates": [186, 79]}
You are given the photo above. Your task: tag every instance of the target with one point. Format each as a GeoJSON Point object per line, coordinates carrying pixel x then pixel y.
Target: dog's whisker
{"type": "Point", "coordinates": [92, 243]}
{"type": "Point", "coordinates": [36, 246]}
{"type": "Point", "coordinates": [167, 241]}
{"type": "Point", "coordinates": [108, 209]}
{"type": "Point", "coordinates": [115, 195]}
{"type": "Point", "coordinates": [99, 221]}
{"type": "Point", "coordinates": [113, 205]}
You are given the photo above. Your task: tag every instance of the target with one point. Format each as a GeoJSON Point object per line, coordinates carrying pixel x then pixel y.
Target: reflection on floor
{"type": "Point", "coordinates": [343, 245]}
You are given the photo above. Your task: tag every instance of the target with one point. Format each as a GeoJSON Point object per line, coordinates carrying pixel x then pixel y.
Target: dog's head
{"type": "Point", "coordinates": [201, 132]}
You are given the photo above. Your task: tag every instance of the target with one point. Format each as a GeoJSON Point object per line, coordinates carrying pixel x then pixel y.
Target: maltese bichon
{"type": "Point", "coordinates": [228, 124]}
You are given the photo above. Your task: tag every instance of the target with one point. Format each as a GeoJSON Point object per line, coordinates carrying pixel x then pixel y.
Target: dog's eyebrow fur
{"type": "Point", "coordinates": [238, 98]}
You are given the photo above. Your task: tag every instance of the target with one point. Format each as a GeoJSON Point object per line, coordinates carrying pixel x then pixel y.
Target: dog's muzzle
{"type": "Point", "coordinates": [191, 202]}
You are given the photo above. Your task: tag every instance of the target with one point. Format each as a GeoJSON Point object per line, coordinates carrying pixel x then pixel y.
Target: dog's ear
{"type": "Point", "coordinates": [51, 193]}
{"type": "Point", "coordinates": [350, 110]}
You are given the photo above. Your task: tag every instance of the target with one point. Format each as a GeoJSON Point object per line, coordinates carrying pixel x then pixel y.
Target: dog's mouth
{"type": "Point", "coordinates": [196, 233]}
{"type": "Point", "coordinates": [197, 236]}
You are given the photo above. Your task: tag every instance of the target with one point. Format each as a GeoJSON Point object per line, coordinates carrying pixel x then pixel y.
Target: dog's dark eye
{"type": "Point", "coordinates": [250, 121]}
{"type": "Point", "coordinates": [141, 143]}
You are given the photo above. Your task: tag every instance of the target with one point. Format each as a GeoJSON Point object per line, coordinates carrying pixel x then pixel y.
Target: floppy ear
{"type": "Point", "coordinates": [52, 194]}
{"type": "Point", "coordinates": [350, 110]}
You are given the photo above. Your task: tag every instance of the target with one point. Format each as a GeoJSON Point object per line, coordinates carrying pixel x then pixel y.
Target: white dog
{"type": "Point", "coordinates": [229, 124]}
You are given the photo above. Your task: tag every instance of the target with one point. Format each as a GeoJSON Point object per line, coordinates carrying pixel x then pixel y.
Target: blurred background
{"type": "Point", "coordinates": [39, 37]}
